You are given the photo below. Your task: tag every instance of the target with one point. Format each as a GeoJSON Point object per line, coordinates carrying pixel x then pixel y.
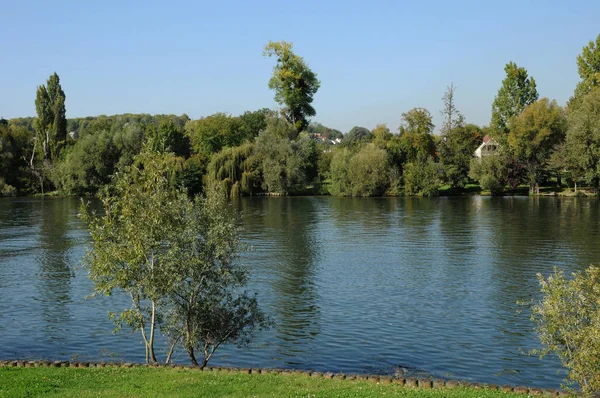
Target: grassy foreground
{"type": "Point", "coordinates": [174, 382]}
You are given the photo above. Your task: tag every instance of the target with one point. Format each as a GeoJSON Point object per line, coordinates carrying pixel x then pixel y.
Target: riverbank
{"type": "Point", "coordinates": [44, 378]}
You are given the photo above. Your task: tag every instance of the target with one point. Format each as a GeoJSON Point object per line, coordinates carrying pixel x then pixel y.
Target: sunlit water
{"type": "Point", "coordinates": [352, 285]}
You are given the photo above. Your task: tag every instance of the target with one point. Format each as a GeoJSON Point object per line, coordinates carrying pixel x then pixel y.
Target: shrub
{"type": "Point", "coordinates": [568, 324]}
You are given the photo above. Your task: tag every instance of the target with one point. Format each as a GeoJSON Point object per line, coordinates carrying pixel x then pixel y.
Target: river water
{"type": "Point", "coordinates": [427, 286]}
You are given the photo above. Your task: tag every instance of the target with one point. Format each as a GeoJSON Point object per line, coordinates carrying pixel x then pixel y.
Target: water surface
{"type": "Point", "coordinates": [353, 285]}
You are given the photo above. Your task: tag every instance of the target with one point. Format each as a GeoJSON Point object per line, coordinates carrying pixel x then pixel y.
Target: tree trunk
{"type": "Point", "coordinates": [152, 328]}
{"type": "Point", "coordinates": [192, 356]}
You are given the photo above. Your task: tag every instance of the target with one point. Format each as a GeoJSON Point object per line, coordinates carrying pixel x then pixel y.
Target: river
{"type": "Point", "coordinates": [373, 285]}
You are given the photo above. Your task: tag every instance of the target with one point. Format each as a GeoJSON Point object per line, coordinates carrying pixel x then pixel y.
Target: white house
{"type": "Point", "coordinates": [488, 147]}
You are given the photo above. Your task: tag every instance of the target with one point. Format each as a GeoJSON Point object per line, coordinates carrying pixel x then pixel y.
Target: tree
{"type": "Point", "coordinates": [452, 116]}
{"type": "Point", "coordinates": [417, 121]}
{"type": "Point", "coordinates": [210, 134]}
{"type": "Point", "coordinates": [583, 137]}
{"type": "Point", "coordinates": [287, 165]}
{"type": "Point", "coordinates": [491, 172]}
{"type": "Point", "coordinates": [416, 139]}
{"type": "Point", "coordinates": [517, 92]}
{"type": "Point", "coordinates": [381, 135]}
{"type": "Point", "coordinates": [588, 65]}
{"type": "Point", "coordinates": [358, 134]}
{"type": "Point", "coordinates": [456, 150]}
{"type": "Point", "coordinates": [533, 135]}
{"type": "Point", "coordinates": [294, 84]}
{"type": "Point", "coordinates": [174, 257]}
{"type": "Point", "coordinates": [369, 171]}
{"type": "Point", "coordinates": [51, 122]}
{"type": "Point", "coordinates": [568, 324]}
{"type": "Point", "coordinates": [422, 177]}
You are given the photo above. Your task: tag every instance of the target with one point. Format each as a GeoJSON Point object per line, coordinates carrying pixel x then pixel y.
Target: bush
{"type": "Point", "coordinates": [568, 324]}
{"type": "Point", "coordinates": [491, 172]}
{"type": "Point", "coordinates": [421, 178]}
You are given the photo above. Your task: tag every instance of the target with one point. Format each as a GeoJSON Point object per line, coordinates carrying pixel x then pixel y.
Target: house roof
{"type": "Point", "coordinates": [486, 139]}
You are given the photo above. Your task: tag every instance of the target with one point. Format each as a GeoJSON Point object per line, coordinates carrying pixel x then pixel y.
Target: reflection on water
{"type": "Point", "coordinates": [352, 285]}
{"type": "Point", "coordinates": [55, 273]}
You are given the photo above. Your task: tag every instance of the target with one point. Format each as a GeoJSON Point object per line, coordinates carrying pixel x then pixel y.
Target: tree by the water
{"type": "Point", "coordinates": [51, 122]}
{"type": "Point", "coordinates": [295, 84]}
{"type": "Point", "coordinates": [176, 258]}
{"type": "Point", "coordinates": [518, 91]}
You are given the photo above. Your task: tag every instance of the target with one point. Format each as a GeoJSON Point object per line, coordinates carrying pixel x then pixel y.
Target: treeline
{"type": "Point", "coordinates": [537, 142]}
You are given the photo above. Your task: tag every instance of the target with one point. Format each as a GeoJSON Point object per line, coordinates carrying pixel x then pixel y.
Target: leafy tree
{"type": "Point", "coordinates": [422, 177]}
{"type": "Point", "coordinates": [294, 83]}
{"type": "Point", "coordinates": [51, 122]}
{"type": "Point", "coordinates": [341, 185]}
{"type": "Point", "coordinates": [417, 121]}
{"type": "Point", "coordinates": [491, 172]}
{"type": "Point", "coordinates": [452, 116]}
{"type": "Point", "coordinates": [168, 137]}
{"type": "Point", "coordinates": [88, 166]}
{"type": "Point", "coordinates": [533, 135]}
{"type": "Point", "coordinates": [236, 170]}
{"type": "Point", "coordinates": [588, 65]}
{"type": "Point", "coordinates": [127, 142]}
{"type": "Point", "coordinates": [364, 173]}
{"type": "Point", "coordinates": [416, 139]}
{"type": "Point", "coordinates": [210, 134]}
{"type": "Point", "coordinates": [287, 165]}
{"type": "Point", "coordinates": [369, 171]}
{"type": "Point", "coordinates": [568, 324]}
{"type": "Point", "coordinates": [583, 137]}
{"type": "Point", "coordinates": [358, 134]}
{"type": "Point", "coordinates": [329, 133]}
{"type": "Point", "coordinates": [381, 135]}
{"type": "Point", "coordinates": [456, 150]}
{"type": "Point", "coordinates": [517, 92]}
{"type": "Point", "coordinates": [174, 257]}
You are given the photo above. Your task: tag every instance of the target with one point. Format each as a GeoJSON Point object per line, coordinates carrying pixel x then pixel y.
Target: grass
{"type": "Point", "coordinates": [178, 382]}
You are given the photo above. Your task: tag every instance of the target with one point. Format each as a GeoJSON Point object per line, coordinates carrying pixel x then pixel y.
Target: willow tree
{"type": "Point", "coordinates": [295, 84]}
{"type": "Point", "coordinates": [174, 257]}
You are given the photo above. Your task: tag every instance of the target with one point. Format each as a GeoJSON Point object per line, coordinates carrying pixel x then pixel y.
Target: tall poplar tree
{"type": "Point", "coordinates": [588, 65]}
{"type": "Point", "coordinates": [51, 122]}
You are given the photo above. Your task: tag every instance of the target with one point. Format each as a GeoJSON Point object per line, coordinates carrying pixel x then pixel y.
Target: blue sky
{"type": "Point", "coordinates": [375, 59]}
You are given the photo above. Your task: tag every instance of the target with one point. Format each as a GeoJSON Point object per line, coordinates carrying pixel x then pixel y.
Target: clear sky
{"type": "Point", "coordinates": [375, 59]}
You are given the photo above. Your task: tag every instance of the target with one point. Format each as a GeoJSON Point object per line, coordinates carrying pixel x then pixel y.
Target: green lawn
{"type": "Point", "coordinates": [178, 382]}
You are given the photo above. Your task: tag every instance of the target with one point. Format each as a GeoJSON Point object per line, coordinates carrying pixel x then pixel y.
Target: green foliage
{"type": "Point", "coordinates": [588, 65]}
{"type": "Point", "coordinates": [381, 135]}
{"type": "Point", "coordinates": [358, 134]}
{"type": "Point", "coordinates": [365, 173]}
{"type": "Point", "coordinates": [287, 165]}
{"type": "Point", "coordinates": [369, 171]}
{"type": "Point", "coordinates": [456, 151]}
{"type": "Point", "coordinates": [168, 137]}
{"type": "Point", "coordinates": [583, 137]}
{"type": "Point", "coordinates": [236, 170]}
{"type": "Point", "coordinates": [491, 172]}
{"type": "Point", "coordinates": [517, 92]}
{"type": "Point", "coordinates": [294, 84]}
{"type": "Point", "coordinates": [422, 177]}
{"type": "Point", "coordinates": [51, 123]}
{"type": "Point", "coordinates": [326, 132]}
{"type": "Point", "coordinates": [210, 134]}
{"type": "Point", "coordinates": [173, 256]}
{"type": "Point", "coordinates": [568, 324]}
{"type": "Point", "coordinates": [417, 121]}
{"type": "Point", "coordinates": [88, 166]}
{"type": "Point", "coordinates": [533, 135]}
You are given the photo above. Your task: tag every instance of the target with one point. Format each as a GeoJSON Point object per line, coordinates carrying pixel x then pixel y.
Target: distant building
{"type": "Point", "coordinates": [488, 147]}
